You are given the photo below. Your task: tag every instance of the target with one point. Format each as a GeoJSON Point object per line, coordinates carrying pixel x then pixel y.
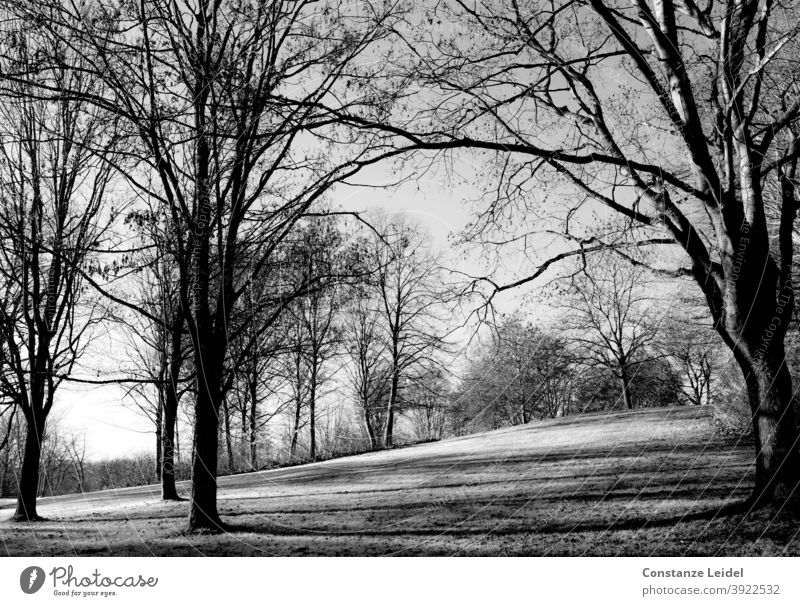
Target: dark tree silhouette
{"type": "Point", "coordinates": [55, 165]}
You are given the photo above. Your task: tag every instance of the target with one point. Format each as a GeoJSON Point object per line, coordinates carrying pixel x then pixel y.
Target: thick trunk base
{"type": "Point", "coordinates": [168, 490]}
{"type": "Point", "coordinates": [24, 517]}
{"type": "Point", "coordinates": [776, 431]}
{"type": "Point", "coordinates": [29, 474]}
{"type": "Point", "coordinates": [170, 493]}
{"type": "Point", "coordinates": [203, 508]}
{"type": "Point", "coordinates": [201, 520]}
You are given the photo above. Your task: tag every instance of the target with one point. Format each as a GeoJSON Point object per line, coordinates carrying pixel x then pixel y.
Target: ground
{"type": "Point", "coordinates": [641, 483]}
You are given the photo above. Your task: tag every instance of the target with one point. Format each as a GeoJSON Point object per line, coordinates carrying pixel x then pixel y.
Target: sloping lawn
{"type": "Point", "coordinates": [652, 482]}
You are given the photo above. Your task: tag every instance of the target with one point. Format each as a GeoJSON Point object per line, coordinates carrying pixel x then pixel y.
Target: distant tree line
{"type": "Point", "coordinates": [612, 344]}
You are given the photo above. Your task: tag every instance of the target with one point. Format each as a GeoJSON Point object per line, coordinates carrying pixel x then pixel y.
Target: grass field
{"type": "Point", "coordinates": [651, 482]}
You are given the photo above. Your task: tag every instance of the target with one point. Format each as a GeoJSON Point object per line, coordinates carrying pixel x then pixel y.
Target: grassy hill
{"type": "Point", "coordinates": [650, 482]}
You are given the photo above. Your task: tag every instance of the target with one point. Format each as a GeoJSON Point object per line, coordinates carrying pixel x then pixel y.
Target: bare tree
{"type": "Point", "coordinates": [318, 312]}
{"type": "Point", "coordinates": [296, 373]}
{"type": "Point", "coordinates": [427, 401]}
{"type": "Point", "coordinates": [411, 293]}
{"type": "Point", "coordinates": [257, 380]}
{"type": "Point", "coordinates": [53, 179]}
{"type": "Point", "coordinates": [319, 257]}
{"type": "Point", "coordinates": [695, 351]}
{"type": "Point", "coordinates": [609, 317]}
{"type": "Point", "coordinates": [368, 371]}
{"type": "Point", "coordinates": [254, 376]}
{"type": "Point", "coordinates": [62, 461]}
{"type": "Point", "coordinates": [76, 450]}
{"type": "Point", "coordinates": [260, 339]}
{"type": "Point", "coordinates": [156, 324]}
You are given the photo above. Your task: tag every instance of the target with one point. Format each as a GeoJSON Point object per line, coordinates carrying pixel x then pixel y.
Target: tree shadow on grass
{"type": "Point", "coordinates": [15, 519]}
{"type": "Point", "coordinates": [742, 509]}
{"type": "Point", "coordinates": [635, 523]}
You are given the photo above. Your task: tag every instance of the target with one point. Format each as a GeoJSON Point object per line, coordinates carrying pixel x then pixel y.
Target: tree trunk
{"type": "Point", "coordinates": [312, 405]}
{"type": "Point", "coordinates": [209, 350]}
{"type": "Point", "coordinates": [159, 432]}
{"type": "Point", "coordinates": [4, 471]}
{"type": "Point", "coordinates": [169, 433]}
{"type": "Point", "coordinates": [29, 474]}
{"type": "Point", "coordinates": [373, 437]}
{"type": "Point", "coordinates": [626, 390]}
{"type": "Point", "coordinates": [293, 448]}
{"type": "Point", "coordinates": [388, 436]}
{"type": "Point", "coordinates": [755, 308]}
{"type": "Point", "coordinates": [775, 426]}
{"type": "Point", "coordinates": [168, 489]}
{"type": "Point", "coordinates": [203, 508]}
{"type": "Point", "coordinates": [176, 443]}
{"type": "Point", "coordinates": [228, 440]}
{"type": "Point", "coordinates": [252, 432]}
{"type": "Point", "coordinates": [526, 411]}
